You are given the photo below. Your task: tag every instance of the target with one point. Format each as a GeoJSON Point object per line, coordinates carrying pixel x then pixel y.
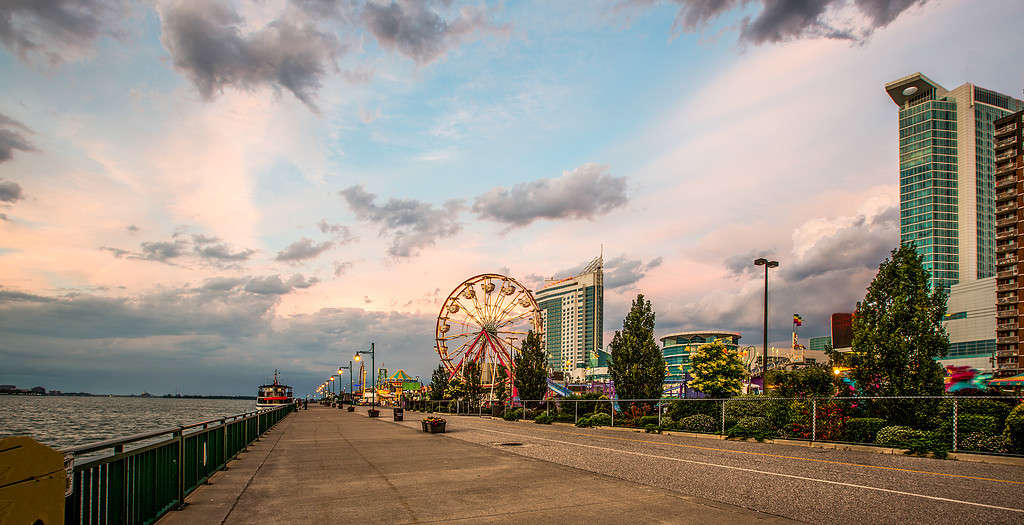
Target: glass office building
{"type": "Point", "coordinates": [947, 175]}
{"type": "Point", "coordinates": [677, 347]}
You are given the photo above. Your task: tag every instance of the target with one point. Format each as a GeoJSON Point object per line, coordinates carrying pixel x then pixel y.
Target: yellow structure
{"type": "Point", "coordinates": [33, 482]}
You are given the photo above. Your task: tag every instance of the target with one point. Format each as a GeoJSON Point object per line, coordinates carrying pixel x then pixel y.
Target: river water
{"type": "Point", "coordinates": [65, 421]}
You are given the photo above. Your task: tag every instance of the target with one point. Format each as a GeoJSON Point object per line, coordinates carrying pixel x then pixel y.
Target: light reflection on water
{"type": "Point", "coordinates": [67, 421]}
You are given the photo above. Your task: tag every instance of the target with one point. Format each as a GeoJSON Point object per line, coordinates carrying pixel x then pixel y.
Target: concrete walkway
{"type": "Point", "coordinates": [330, 466]}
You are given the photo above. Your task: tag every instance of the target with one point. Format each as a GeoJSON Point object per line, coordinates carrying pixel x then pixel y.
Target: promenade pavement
{"type": "Point", "coordinates": [815, 485]}
{"type": "Point", "coordinates": [325, 465]}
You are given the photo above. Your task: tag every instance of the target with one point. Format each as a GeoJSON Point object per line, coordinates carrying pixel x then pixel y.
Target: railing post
{"type": "Point", "coordinates": [814, 420]}
{"type": "Point", "coordinates": [955, 418]}
{"type": "Point", "coordinates": [612, 403]}
{"type": "Point", "coordinates": [576, 412]}
{"type": "Point", "coordinates": [181, 467]}
{"type": "Point", "coordinates": [224, 442]}
{"type": "Point", "coordinates": [723, 417]}
{"type": "Point", "coordinates": [659, 413]}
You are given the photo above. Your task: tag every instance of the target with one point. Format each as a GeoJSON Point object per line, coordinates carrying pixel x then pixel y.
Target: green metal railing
{"type": "Point", "coordinates": [141, 484]}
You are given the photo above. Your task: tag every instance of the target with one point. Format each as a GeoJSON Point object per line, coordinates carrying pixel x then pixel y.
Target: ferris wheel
{"type": "Point", "coordinates": [485, 320]}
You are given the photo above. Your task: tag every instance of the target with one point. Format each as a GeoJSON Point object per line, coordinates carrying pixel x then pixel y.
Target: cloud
{"type": "Point", "coordinates": [414, 29]}
{"type": "Point", "coordinates": [204, 248]}
{"type": "Point", "coordinates": [782, 20]}
{"type": "Point", "coordinates": [583, 193]}
{"type": "Point", "coordinates": [12, 132]}
{"type": "Point", "coordinates": [341, 233]}
{"type": "Point", "coordinates": [273, 285]}
{"type": "Point", "coordinates": [10, 191]}
{"type": "Point", "coordinates": [412, 225]}
{"type": "Point", "coordinates": [132, 228]}
{"type": "Point", "coordinates": [822, 246]}
{"type": "Point", "coordinates": [56, 29]}
{"type": "Point", "coordinates": [341, 267]}
{"type": "Point", "coordinates": [619, 272]}
{"type": "Point", "coordinates": [302, 249]}
{"type": "Point", "coordinates": [207, 44]}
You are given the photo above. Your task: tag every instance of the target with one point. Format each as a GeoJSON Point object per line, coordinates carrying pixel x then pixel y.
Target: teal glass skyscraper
{"type": "Point", "coordinates": [947, 175]}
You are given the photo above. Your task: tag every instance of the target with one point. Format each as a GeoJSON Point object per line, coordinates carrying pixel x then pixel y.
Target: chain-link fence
{"type": "Point", "coordinates": [982, 424]}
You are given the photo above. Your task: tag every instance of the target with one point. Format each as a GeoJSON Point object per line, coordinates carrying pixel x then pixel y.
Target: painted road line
{"type": "Point", "coordinates": [765, 472]}
{"type": "Point", "coordinates": [780, 456]}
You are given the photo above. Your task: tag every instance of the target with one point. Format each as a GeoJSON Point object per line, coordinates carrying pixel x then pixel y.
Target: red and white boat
{"type": "Point", "coordinates": [270, 396]}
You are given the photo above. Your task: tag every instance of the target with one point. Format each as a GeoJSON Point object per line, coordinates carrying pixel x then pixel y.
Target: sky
{"type": "Point", "coordinates": [196, 193]}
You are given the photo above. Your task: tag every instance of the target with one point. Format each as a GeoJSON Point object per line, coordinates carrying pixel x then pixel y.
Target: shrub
{"type": "Point", "coordinates": [544, 419]}
{"type": "Point", "coordinates": [1014, 430]}
{"type": "Point", "coordinates": [750, 427]}
{"type": "Point", "coordinates": [531, 413]}
{"type": "Point", "coordinates": [648, 420]}
{"type": "Point", "coordinates": [600, 420]}
{"type": "Point", "coordinates": [896, 436]}
{"type": "Point", "coordinates": [513, 415]}
{"type": "Point", "coordinates": [996, 408]}
{"type": "Point", "coordinates": [682, 409]}
{"type": "Point", "coordinates": [584, 422]}
{"type": "Point", "coordinates": [652, 429]}
{"type": "Point", "coordinates": [698, 423]}
{"type": "Point", "coordinates": [982, 442]}
{"type": "Point", "coordinates": [924, 442]}
{"type": "Point", "coordinates": [746, 406]}
{"type": "Point", "coordinates": [565, 418]}
{"type": "Point", "coordinates": [863, 429]}
{"type": "Point", "coordinates": [975, 423]}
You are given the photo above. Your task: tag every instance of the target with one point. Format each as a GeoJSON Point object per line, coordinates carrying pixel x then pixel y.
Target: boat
{"type": "Point", "coordinates": [273, 395]}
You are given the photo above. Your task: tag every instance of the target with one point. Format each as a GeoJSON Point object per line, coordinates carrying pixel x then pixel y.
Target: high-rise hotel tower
{"type": "Point", "coordinates": [573, 314]}
{"type": "Point", "coordinates": [947, 175]}
{"type": "Point", "coordinates": [1009, 145]}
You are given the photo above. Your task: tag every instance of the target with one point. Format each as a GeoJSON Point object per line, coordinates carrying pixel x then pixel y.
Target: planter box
{"type": "Point", "coordinates": [435, 428]}
{"type": "Point", "coordinates": [351, 409]}
{"type": "Point", "coordinates": [373, 413]}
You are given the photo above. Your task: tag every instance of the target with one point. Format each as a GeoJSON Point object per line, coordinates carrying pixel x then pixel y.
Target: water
{"type": "Point", "coordinates": [67, 421]}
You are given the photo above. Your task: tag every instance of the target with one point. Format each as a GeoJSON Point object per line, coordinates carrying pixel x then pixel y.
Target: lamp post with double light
{"type": "Point", "coordinates": [373, 377]}
{"type": "Point", "coordinates": [761, 261]}
{"type": "Point", "coordinates": [349, 368]}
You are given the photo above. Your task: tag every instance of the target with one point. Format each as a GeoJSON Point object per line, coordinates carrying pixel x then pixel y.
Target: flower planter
{"type": "Point", "coordinates": [435, 426]}
{"type": "Point", "coordinates": [373, 412]}
{"type": "Point", "coordinates": [351, 409]}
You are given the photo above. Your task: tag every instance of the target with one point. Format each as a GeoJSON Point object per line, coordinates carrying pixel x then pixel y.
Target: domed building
{"type": "Point", "coordinates": [677, 347]}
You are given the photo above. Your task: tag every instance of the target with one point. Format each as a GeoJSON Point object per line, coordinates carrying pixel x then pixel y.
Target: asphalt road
{"type": "Point", "coordinates": [802, 483]}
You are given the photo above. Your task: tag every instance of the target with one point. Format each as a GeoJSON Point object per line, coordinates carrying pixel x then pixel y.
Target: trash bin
{"type": "Point", "coordinates": [398, 412]}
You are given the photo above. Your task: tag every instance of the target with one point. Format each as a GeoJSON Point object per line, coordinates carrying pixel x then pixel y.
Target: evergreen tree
{"type": "Point", "coordinates": [637, 366]}
{"type": "Point", "coordinates": [471, 377]}
{"type": "Point", "coordinates": [438, 383]}
{"type": "Point", "coordinates": [716, 371]}
{"type": "Point", "coordinates": [501, 384]}
{"type": "Point", "coordinates": [898, 332]}
{"type": "Point", "coordinates": [531, 368]}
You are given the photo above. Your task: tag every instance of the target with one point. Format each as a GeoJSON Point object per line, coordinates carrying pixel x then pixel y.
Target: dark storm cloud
{"type": "Point", "coordinates": [54, 28]}
{"type": "Point", "coordinates": [782, 20]}
{"type": "Point", "coordinates": [302, 250]}
{"type": "Point", "coordinates": [10, 191]}
{"type": "Point", "coordinates": [411, 224]}
{"type": "Point", "coordinates": [864, 243]}
{"type": "Point", "coordinates": [12, 134]}
{"type": "Point", "coordinates": [207, 44]}
{"type": "Point", "coordinates": [415, 29]}
{"type": "Point", "coordinates": [583, 193]}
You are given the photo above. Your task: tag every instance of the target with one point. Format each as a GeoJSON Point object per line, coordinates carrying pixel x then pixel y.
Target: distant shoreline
{"type": "Point", "coordinates": [166, 396]}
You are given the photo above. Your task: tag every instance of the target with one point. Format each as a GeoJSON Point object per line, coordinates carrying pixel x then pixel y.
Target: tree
{"type": "Point", "coordinates": [531, 368]}
{"type": "Point", "coordinates": [812, 381]}
{"type": "Point", "coordinates": [716, 371]}
{"type": "Point", "coordinates": [898, 332]}
{"type": "Point", "coordinates": [637, 366]}
{"type": "Point", "coordinates": [501, 385]}
{"type": "Point", "coordinates": [471, 378]}
{"type": "Point", "coordinates": [438, 383]}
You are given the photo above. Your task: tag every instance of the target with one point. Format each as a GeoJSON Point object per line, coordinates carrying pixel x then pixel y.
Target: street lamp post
{"type": "Point", "coordinates": [373, 357]}
{"type": "Point", "coordinates": [761, 261]}
{"type": "Point", "coordinates": [349, 368]}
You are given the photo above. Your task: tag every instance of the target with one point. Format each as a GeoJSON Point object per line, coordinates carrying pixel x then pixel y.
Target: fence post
{"type": "Point", "coordinates": [814, 419]}
{"type": "Point", "coordinates": [224, 429]}
{"type": "Point", "coordinates": [659, 413]}
{"type": "Point", "coordinates": [723, 417]}
{"type": "Point", "coordinates": [612, 403]}
{"type": "Point", "coordinates": [181, 467]}
{"type": "Point", "coordinates": [955, 418]}
{"type": "Point", "coordinates": [547, 408]}
{"type": "Point", "coordinates": [576, 410]}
